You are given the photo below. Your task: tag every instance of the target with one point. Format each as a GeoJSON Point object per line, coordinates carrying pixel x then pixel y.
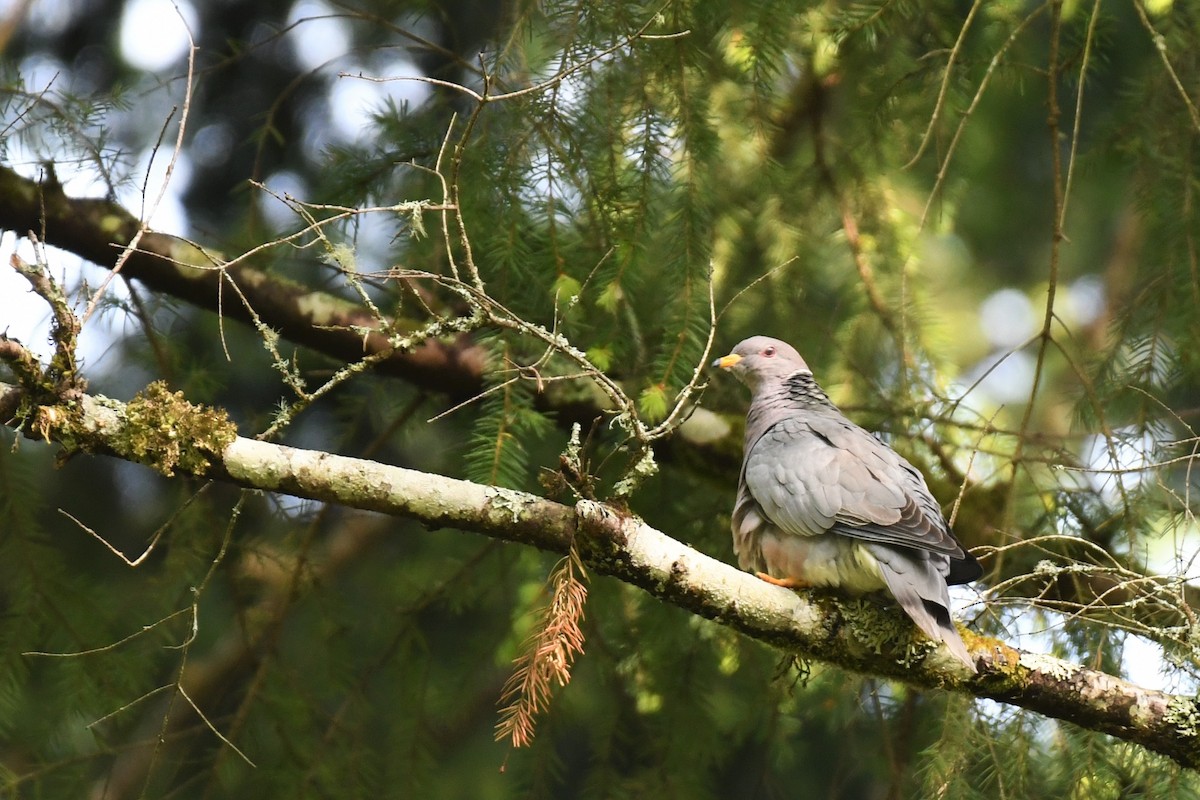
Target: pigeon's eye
{"type": "Point", "coordinates": [769, 352]}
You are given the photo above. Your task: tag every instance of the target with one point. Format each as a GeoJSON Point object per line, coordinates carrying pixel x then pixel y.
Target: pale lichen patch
{"type": "Point", "coordinates": [1049, 665]}
{"type": "Point", "coordinates": [321, 309]}
{"type": "Point", "coordinates": [1183, 715]}
{"type": "Point", "coordinates": [192, 262]}
{"type": "Point", "coordinates": [507, 500]}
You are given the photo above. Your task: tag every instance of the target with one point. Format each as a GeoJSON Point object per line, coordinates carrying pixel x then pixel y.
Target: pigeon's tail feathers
{"type": "Point", "coordinates": [964, 570]}
{"type": "Point", "coordinates": [921, 591]}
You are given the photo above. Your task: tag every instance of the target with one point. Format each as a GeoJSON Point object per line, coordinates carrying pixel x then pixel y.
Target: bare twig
{"type": "Point", "coordinates": [944, 168]}
{"type": "Point", "coordinates": [162, 189]}
{"type": "Point", "coordinates": [1160, 44]}
{"type": "Point", "coordinates": [1089, 41]}
{"type": "Point", "coordinates": [948, 72]}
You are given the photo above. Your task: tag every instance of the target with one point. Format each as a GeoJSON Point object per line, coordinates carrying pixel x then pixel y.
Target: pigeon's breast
{"type": "Point", "coordinates": [823, 560]}
{"type": "Point", "coordinates": [817, 559]}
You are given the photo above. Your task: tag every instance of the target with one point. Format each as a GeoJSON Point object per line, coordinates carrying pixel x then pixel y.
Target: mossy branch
{"type": "Point", "coordinates": [61, 379]}
{"type": "Point", "coordinates": [857, 635]}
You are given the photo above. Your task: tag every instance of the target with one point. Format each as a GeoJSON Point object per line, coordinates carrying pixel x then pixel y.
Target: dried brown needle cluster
{"type": "Point", "coordinates": [547, 655]}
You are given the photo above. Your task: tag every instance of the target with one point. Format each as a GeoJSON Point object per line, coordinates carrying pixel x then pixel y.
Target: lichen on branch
{"type": "Point", "coordinates": [164, 431]}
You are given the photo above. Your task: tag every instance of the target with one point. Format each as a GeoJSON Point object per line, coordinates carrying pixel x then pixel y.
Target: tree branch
{"type": "Point", "coordinates": [97, 230]}
{"type": "Point", "coordinates": [854, 634]}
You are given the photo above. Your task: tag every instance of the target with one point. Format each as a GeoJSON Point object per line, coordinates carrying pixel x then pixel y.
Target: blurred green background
{"type": "Point", "coordinates": [975, 221]}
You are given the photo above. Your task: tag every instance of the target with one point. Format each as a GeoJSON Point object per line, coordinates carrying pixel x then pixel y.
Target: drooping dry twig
{"type": "Point", "coordinates": [548, 654]}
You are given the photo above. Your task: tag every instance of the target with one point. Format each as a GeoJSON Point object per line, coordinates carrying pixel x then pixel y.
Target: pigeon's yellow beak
{"type": "Point", "coordinates": [725, 362]}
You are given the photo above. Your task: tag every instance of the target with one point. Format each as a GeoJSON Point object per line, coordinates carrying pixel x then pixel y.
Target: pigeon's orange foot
{"type": "Point", "coordinates": [787, 583]}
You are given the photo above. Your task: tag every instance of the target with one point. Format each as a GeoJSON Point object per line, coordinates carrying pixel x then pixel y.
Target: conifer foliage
{"type": "Point", "coordinates": [496, 244]}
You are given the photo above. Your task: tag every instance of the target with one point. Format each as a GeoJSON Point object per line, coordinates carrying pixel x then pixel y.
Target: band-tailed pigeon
{"type": "Point", "coordinates": [822, 502]}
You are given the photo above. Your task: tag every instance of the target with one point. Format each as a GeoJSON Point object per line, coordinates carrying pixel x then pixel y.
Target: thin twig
{"type": "Point", "coordinates": [940, 103]}
{"type": "Point", "coordinates": [1160, 44]}
{"type": "Point", "coordinates": [143, 222]}
{"type": "Point", "coordinates": [944, 168]}
{"type": "Point", "coordinates": [1056, 239]}
{"type": "Point", "coordinates": [208, 724]}
{"type": "Point", "coordinates": [1089, 40]}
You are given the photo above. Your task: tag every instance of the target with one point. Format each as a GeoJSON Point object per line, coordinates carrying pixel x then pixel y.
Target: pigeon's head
{"type": "Point", "coordinates": [761, 359]}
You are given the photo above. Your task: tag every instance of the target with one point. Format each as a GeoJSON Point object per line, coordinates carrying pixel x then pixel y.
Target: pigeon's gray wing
{"type": "Point", "coordinates": [816, 472]}
{"type": "Point", "coordinates": [746, 523]}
